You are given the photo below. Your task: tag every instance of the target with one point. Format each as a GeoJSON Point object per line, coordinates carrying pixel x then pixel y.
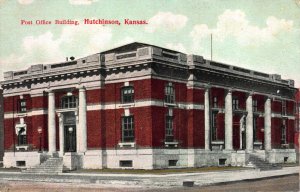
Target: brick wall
{"type": "Point", "coordinates": [220, 94]}
{"type": "Point", "coordinates": [260, 126]}
{"type": "Point", "coordinates": [94, 130]}
{"type": "Point", "coordinates": [104, 126]}
{"type": "Point", "coordinates": [221, 126]}
{"type": "Point", "coordinates": [1, 126]}
{"type": "Point", "coordinates": [195, 129]}
{"type": "Point", "coordinates": [276, 106]}
{"type": "Point", "coordinates": [158, 126]}
{"type": "Point", "coordinates": [236, 131]}
{"type": "Point", "coordinates": [276, 132]}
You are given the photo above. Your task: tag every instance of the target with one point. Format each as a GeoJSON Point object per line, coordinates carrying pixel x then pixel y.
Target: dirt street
{"type": "Point", "coordinates": [287, 183]}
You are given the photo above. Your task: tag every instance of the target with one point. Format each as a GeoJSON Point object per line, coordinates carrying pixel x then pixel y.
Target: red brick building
{"type": "Point", "coordinates": [146, 107]}
{"type": "Point", "coordinates": [297, 128]}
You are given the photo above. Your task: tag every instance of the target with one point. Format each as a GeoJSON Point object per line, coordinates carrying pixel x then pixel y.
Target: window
{"type": "Point", "coordinates": [215, 102]}
{"type": "Point", "coordinates": [128, 129]}
{"type": "Point", "coordinates": [169, 129]}
{"type": "Point", "coordinates": [214, 127]}
{"type": "Point", "coordinates": [69, 102]}
{"type": "Point", "coordinates": [127, 163]}
{"type": "Point", "coordinates": [254, 105]}
{"type": "Point", "coordinates": [22, 138]}
{"type": "Point", "coordinates": [22, 106]}
{"type": "Point", "coordinates": [173, 163]}
{"type": "Point", "coordinates": [222, 162]}
{"type": "Point", "coordinates": [127, 94]}
{"type": "Point", "coordinates": [254, 129]}
{"type": "Point", "coordinates": [21, 163]}
{"type": "Point", "coordinates": [169, 93]}
{"type": "Point", "coordinates": [235, 104]}
{"type": "Point", "coordinates": [283, 110]}
{"type": "Point", "coordinates": [283, 132]}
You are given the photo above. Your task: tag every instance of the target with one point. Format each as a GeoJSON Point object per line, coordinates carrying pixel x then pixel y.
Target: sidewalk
{"type": "Point", "coordinates": [150, 180]}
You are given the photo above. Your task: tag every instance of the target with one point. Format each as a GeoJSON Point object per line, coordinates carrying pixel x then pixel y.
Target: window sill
{"type": "Point", "coordinates": [239, 110]}
{"type": "Point", "coordinates": [21, 114]}
{"type": "Point", "coordinates": [126, 144]}
{"type": "Point", "coordinates": [66, 109]}
{"type": "Point", "coordinates": [285, 115]}
{"type": "Point", "coordinates": [171, 144]}
{"type": "Point", "coordinates": [169, 104]}
{"type": "Point", "coordinates": [285, 146]}
{"type": "Point", "coordinates": [127, 105]}
{"type": "Point", "coordinates": [219, 109]}
{"type": "Point", "coordinates": [22, 148]}
{"type": "Point", "coordinates": [257, 145]}
{"type": "Point", "coordinates": [217, 145]}
{"type": "Point", "coordinates": [217, 142]}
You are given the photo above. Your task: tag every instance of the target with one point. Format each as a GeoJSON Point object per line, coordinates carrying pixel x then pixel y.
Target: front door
{"type": "Point", "coordinates": [70, 138]}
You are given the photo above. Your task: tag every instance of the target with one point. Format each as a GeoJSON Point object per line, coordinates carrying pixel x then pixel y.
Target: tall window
{"type": "Point", "coordinates": [214, 127]}
{"type": "Point", "coordinates": [22, 106]}
{"type": "Point", "coordinates": [254, 129]}
{"type": "Point", "coordinates": [283, 132]}
{"type": "Point", "coordinates": [215, 102]}
{"type": "Point", "coordinates": [254, 103]}
{"type": "Point", "coordinates": [22, 138]}
{"type": "Point", "coordinates": [235, 104]}
{"type": "Point", "coordinates": [69, 102]}
{"type": "Point", "coordinates": [127, 94]}
{"type": "Point", "coordinates": [169, 93]}
{"type": "Point", "coordinates": [169, 128]}
{"type": "Point", "coordinates": [283, 104]}
{"type": "Point", "coordinates": [128, 129]}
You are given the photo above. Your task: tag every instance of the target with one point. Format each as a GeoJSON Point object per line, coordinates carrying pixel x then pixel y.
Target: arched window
{"type": "Point", "coordinates": [69, 102]}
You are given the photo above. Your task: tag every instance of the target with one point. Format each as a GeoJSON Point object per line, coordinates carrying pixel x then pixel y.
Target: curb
{"type": "Point", "coordinates": [249, 180]}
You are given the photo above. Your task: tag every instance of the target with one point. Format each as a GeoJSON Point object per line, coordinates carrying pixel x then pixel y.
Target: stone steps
{"type": "Point", "coordinates": [259, 163]}
{"type": "Point", "coordinates": [52, 165]}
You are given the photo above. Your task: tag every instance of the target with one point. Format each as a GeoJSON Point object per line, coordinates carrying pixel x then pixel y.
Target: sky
{"type": "Point", "coordinates": [254, 34]}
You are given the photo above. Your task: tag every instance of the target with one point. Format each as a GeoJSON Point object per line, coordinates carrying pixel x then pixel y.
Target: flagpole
{"type": "Point", "coordinates": [211, 47]}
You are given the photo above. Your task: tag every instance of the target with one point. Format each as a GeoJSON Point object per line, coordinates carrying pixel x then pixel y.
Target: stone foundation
{"type": "Point", "coordinates": [282, 156]}
{"type": "Point", "coordinates": [23, 159]}
{"type": "Point", "coordinates": [150, 158]}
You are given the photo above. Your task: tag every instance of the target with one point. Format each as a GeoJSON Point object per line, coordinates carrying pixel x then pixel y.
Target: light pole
{"type": "Point", "coordinates": [71, 142]}
{"type": "Point", "coordinates": [40, 130]}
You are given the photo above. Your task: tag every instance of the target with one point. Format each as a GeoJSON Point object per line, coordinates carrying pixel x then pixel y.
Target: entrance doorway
{"type": "Point", "coordinates": [70, 138]}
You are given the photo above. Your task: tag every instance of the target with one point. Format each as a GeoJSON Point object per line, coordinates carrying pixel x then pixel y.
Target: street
{"type": "Point", "coordinates": [284, 183]}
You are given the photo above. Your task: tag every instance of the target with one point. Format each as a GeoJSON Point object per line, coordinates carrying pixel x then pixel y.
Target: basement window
{"type": "Point", "coordinates": [222, 162]}
{"type": "Point", "coordinates": [127, 163]}
{"type": "Point", "coordinates": [21, 163]}
{"type": "Point", "coordinates": [173, 163]}
{"type": "Point", "coordinates": [285, 159]}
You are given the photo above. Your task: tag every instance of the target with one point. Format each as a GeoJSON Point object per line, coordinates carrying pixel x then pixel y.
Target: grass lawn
{"type": "Point", "coordinates": [158, 171]}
